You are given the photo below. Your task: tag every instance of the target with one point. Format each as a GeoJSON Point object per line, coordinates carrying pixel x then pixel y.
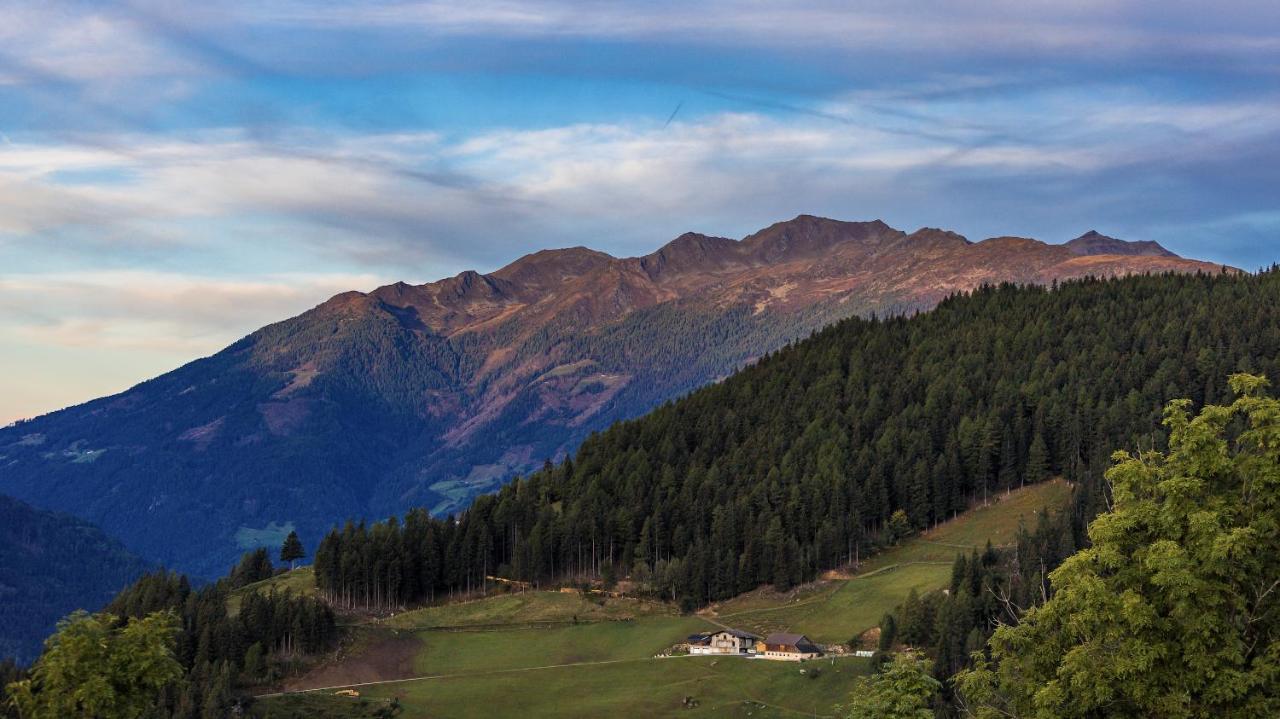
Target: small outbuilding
{"type": "Point", "coordinates": [787, 647]}
{"type": "Point", "coordinates": [725, 641]}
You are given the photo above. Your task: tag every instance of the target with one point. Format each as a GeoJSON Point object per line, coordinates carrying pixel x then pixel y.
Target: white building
{"type": "Point", "coordinates": [725, 641]}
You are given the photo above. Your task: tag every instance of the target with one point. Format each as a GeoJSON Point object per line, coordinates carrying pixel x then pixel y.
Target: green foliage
{"type": "Point", "coordinates": [254, 566]}
{"type": "Point", "coordinates": [1173, 610]}
{"type": "Point", "coordinates": [216, 650]}
{"type": "Point", "coordinates": [798, 463]}
{"type": "Point", "coordinates": [96, 667]}
{"type": "Point", "coordinates": [10, 673]}
{"type": "Point", "coordinates": [899, 527]}
{"type": "Point", "coordinates": [903, 689]}
{"type": "Point", "coordinates": [888, 632]}
{"type": "Point", "coordinates": [291, 551]}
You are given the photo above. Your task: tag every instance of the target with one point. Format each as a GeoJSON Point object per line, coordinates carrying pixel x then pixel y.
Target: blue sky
{"type": "Point", "coordinates": [173, 175]}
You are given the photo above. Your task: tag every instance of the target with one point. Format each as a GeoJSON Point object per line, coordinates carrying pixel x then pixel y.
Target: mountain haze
{"type": "Point", "coordinates": [426, 395]}
{"type": "Point", "coordinates": [50, 565]}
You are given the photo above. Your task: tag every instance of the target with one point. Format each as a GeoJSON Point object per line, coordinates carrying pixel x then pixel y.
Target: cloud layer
{"type": "Point", "coordinates": [174, 175]}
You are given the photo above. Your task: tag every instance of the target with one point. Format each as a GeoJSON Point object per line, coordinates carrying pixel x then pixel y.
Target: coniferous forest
{"type": "Point", "coordinates": [797, 463]}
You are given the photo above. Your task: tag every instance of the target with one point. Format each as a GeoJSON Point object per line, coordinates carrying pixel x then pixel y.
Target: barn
{"type": "Point", "coordinates": [787, 647]}
{"type": "Point", "coordinates": [725, 641]}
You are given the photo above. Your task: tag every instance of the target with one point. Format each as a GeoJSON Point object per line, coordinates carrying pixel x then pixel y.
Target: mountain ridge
{"type": "Point", "coordinates": [430, 394]}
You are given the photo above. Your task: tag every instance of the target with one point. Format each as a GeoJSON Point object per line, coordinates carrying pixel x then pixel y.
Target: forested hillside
{"type": "Point", "coordinates": [51, 564]}
{"type": "Point", "coordinates": [427, 395]}
{"type": "Point", "coordinates": [793, 464]}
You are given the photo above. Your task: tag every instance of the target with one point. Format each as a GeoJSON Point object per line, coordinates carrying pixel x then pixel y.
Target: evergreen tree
{"type": "Point", "coordinates": [291, 551]}
{"type": "Point", "coordinates": [1037, 460]}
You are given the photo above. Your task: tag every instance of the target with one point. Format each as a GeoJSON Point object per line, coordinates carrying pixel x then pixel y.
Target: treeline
{"type": "Point", "coordinates": [222, 653]}
{"type": "Point", "coordinates": [796, 464]}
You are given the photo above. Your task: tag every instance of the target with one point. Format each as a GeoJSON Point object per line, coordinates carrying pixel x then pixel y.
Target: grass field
{"type": "Point", "coordinates": [643, 687]}
{"type": "Point", "coordinates": [527, 608]}
{"type": "Point", "coordinates": [836, 611]}
{"type": "Point", "coordinates": [451, 652]}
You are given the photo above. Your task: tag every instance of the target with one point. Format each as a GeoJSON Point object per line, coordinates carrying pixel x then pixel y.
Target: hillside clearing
{"type": "Point", "coordinates": [836, 610]}
{"type": "Point", "coordinates": [300, 581]}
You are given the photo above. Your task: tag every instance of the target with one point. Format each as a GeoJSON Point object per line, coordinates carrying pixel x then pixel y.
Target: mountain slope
{"type": "Point", "coordinates": [50, 565]}
{"type": "Point", "coordinates": [428, 395]}
{"type": "Point", "coordinates": [800, 462]}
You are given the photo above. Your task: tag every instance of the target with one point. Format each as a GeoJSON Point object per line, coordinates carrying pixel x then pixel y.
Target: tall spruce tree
{"type": "Point", "coordinates": [291, 551]}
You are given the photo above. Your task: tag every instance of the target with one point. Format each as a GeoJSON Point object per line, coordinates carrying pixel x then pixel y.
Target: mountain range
{"type": "Point", "coordinates": [427, 395]}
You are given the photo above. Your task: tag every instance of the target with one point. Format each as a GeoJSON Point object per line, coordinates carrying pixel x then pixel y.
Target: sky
{"type": "Point", "coordinates": [175, 175]}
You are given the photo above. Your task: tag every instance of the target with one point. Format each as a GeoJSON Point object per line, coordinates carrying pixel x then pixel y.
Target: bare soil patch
{"type": "Point", "coordinates": [379, 657]}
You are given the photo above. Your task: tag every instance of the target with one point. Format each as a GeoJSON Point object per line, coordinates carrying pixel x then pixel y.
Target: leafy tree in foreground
{"type": "Point", "coordinates": [905, 689]}
{"type": "Point", "coordinates": [10, 673]}
{"type": "Point", "coordinates": [96, 667]}
{"type": "Point", "coordinates": [1174, 611]}
{"type": "Point", "coordinates": [292, 549]}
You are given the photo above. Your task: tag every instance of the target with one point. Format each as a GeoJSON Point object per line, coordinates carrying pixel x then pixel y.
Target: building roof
{"type": "Point", "coordinates": [737, 633]}
{"type": "Point", "coordinates": [700, 638]}
{"type": "Point", "coordinates": [799, 642]}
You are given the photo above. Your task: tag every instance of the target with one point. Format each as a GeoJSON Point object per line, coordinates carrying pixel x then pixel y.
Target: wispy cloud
{"type": "Point", "coordinates": [164, 166]}
{"type": "Point", "coordinates": [152, 310]}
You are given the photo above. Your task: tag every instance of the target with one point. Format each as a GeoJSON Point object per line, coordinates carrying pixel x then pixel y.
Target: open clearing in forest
{"type": "Point", "coordinates": [299, 581]}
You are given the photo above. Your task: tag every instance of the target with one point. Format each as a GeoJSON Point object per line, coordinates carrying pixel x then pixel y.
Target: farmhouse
{"type": "Point", "coordinates": [725, 641]}
{"type": "Point", "coordinates": [787, 647]}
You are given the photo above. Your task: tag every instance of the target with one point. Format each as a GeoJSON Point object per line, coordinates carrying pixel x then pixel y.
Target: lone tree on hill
{"type": "Point", "coordinates": [292, 549]}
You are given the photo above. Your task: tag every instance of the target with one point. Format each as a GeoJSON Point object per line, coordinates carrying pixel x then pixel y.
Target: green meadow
{"type": "Point", "coordinates": [643, 687]}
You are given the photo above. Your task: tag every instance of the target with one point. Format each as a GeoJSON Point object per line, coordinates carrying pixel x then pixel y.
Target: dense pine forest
{"type": "Point", "coordinates": [797, 463]}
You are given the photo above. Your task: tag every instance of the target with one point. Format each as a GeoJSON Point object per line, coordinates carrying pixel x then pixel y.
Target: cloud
{"type": "Point", "coordinates": [70, 336]}
{"type": "Point", "coordinates": [1105, 28]}
{"type": "Point", "coordinates": [425, 199]}
{"type": "Point", "coordinates": [146, 310]}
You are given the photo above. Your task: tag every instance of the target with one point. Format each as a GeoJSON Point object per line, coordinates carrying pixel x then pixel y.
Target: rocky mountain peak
{"type": "Point", "coordinates": [1096, 243]}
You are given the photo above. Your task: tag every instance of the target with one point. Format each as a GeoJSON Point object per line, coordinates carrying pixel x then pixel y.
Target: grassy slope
{"type": "Point", "coordinates": [499, 655]}
{"type": "Point", "coordinates": [653, 687]}
{"type": "Point", "coordinates": [527, 608]}
{"type": "Point", "coordinates": [452, 652]}
{"type": "Point", "coordinates": [299, 581]}
{"type": "Point", "coordinates": [838, 610]}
